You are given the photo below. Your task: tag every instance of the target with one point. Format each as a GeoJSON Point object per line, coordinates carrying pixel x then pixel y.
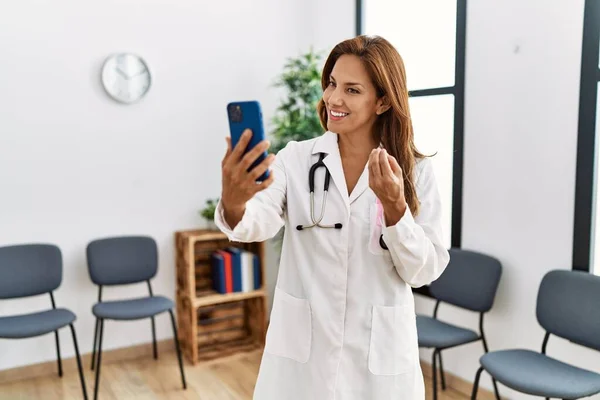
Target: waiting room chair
{"type": "Point", "coordinates": [470, 281]}
{"type": "Point", "coordinates": [29, 270]}
{"type": "Point", "coordinates": [121, 261]}
{"type": "Point", "coordinates": [568, 307]}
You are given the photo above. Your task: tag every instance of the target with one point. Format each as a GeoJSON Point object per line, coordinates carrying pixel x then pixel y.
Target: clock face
{"type": "Point", "coordinates": [126, 77]}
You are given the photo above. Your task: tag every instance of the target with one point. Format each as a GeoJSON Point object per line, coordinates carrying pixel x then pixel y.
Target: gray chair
{"type": "Point", "coordinates": [120, 261]}
{"type": "Point", "coordinates": [30, 270]}
{"type": "Point", "coordinates": [567, 306]}
{"type": "Point", "coordinates": [470, 281]}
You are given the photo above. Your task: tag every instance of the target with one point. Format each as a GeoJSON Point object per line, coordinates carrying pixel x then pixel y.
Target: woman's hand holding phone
{"type": "Point", "coordinates": [239, 184]}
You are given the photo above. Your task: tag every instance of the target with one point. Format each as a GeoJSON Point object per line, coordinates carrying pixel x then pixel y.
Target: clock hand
{"type": "Point", "coordinates": [123, 74]}
{"type": "Point", "coordinates": [140, 73]}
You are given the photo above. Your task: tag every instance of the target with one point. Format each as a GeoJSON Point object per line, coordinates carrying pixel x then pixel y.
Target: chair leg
{"type": "Point", "coordinates": [85, 396]}
{"type": "Point", "coordinates": [97, 326]}
{"type": "Point", "coordinates": [442, 371]}
{"type": "Point", "coordinates": [176, 338]}
{"type": "Point", "coordinates": [97, 385]}
{"type": "Point", "coordinates": [476, 384]}
{"type": "Point", "coordinates": [154, 348]}
{"type": "Point", "coordinates": [496, 392]}
{"type": "Point", "coordinates": [60, 370]}
{"type": "Point", "coordinates": [485, 348]}
{"type": "Point", "coordinates": [434, 370]}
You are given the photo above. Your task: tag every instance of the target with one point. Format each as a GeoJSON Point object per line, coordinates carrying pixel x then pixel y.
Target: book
{"type": "Point", "coordinates": [247, 271]}
{"type": "Point", "coordinates": [228, 270]}
{"type": "Point", "coordinates": [217, 263]}
{"type": "Point", "coordinates": [236, 267]}
{"type": "Point", "coordinates": [235, 270]}
{"type": "Point", "coordinates": [257, 272]}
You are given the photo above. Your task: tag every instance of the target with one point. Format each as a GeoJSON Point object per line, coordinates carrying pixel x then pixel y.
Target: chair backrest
{"type": "Point", "coordinates": [29, 270]}
{"type": "Point", "coordinates": [469, 281]}
{"type": "Point", "coordinates": [568, 305]}
{"type": "Point", "coordinates": [122, 260]}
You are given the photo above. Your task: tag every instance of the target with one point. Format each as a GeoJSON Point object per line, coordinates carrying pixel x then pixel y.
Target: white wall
{"type": "Point", "coordinates": [75, 165]}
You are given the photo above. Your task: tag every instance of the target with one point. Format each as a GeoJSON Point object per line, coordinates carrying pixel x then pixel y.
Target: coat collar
{"type": "Point", "coordinates": [328, 144]}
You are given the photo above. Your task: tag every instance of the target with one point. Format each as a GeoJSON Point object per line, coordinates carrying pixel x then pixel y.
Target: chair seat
{"type": "Point", "coordinates": [434, 333]}
{"type": "Point", "coordinates": [539, 375]}
{"type": "Point", "coordinates": [34, 324]}
{"type": "Point", "coordinates": [133, 308]}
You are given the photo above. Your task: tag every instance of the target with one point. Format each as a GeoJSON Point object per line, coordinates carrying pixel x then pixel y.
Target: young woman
{"type": "Point", "coordinates": [343, 324]}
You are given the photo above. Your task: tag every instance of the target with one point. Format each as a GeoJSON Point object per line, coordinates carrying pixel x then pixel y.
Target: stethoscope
{"type": "Point", "coordinates": [311, 187]}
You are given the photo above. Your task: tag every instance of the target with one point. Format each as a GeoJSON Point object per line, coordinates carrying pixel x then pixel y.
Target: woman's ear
{"type": "Point", "coordinates": [382, 105]}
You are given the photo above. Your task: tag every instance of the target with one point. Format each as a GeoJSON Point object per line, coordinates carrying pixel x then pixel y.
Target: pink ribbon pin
{"type": "Point", "coordinates": [379, 212]}
{"type": "Point", "coordinates": [377, 229]}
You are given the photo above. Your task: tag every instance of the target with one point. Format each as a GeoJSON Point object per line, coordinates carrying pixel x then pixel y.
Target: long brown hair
{"type": "Point", "coordinates": [394, 127]}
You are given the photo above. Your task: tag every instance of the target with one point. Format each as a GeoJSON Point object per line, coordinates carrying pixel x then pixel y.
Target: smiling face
{"type": "Point", "coordinates": [364, 79]}
{"type": "Point", "coordinates": [351, 98]}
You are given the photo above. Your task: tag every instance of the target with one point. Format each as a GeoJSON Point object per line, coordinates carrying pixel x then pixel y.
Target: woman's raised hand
{"type": "Point", "coordinates": [238, 184]}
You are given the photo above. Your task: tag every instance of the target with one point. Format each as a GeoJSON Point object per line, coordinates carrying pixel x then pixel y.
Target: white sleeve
{"type": "Point", "coordinates": [416, 244]}
{"type": "Point", "coordinates": [264, 215]}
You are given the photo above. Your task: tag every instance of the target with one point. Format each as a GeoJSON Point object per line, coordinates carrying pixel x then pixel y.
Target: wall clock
{"type": "Point", "coordinates": [126, 77]}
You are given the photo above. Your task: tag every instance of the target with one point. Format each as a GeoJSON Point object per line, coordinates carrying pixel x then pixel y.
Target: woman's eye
{"type": "Point", "coordinates": [331, 83]}
{"type": "Point", "coordinates": [353, 91]}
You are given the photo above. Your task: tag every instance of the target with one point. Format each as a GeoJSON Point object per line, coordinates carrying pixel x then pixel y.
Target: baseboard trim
{"type": "Point", "coordinates": [457, 384]}
{"type": "Point", "coordinates": [69, 365]}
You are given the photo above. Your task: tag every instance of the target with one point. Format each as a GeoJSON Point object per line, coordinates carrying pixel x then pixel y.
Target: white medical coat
{"type": "Point", "coordinates": [342, 324]}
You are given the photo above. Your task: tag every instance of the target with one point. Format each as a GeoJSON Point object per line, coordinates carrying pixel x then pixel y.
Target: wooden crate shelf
{"type": "Point", "coordinates": [211, 324]}
{"type": "Point", "coordinates": [224, 298]}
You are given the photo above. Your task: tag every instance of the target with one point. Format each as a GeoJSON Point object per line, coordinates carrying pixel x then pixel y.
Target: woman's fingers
{"type": "Point", "coordinates": [265, 184]}
{"type": "Point", "coordinates": [228, 152]}
{"type": "Point", "coordinates": [250, 157]}
{"type": "Point", "coordinates": [395, 166]}
{"type": "Point", "coordinates": [238, 150]}
{"type": "Point", "coordinates": [386, 169]}
{"type": "Point", "coordinates": [374, 166]}
{"type": "Point", "coordinates": [239, 184]}
{"type": "Point", "coordinates": [262, 167]}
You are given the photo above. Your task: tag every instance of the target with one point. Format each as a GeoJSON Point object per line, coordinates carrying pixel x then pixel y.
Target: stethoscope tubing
{"type": "Point", "coordinates": [311, 186]}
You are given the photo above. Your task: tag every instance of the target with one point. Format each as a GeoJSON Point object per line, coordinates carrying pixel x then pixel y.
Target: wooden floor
{"type": "Point", "coordinates": [146, 378]}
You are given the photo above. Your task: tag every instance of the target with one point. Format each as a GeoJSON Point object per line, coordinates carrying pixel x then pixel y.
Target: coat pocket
{"type": "Point", "coordinates": [393, 347]}
{"type": "Point", "coordinates": [290, 327]}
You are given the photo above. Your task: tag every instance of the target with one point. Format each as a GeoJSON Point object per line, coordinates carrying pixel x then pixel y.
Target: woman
{"type": "Point", "coordinates": [343, 324]}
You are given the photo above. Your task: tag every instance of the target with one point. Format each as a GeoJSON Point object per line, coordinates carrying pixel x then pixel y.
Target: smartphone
{"type": "Point", "coordinates": [244, 115]}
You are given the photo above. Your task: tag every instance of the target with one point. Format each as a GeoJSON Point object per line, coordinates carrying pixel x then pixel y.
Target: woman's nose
{"type": "Point", "coordinates": [335, 99]}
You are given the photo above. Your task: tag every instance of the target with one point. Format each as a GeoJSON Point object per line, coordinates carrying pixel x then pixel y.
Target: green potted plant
{"type": "Point", "coordinates": [296, 117]}
{"type": "Point", "coordinates": [208, 213]}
